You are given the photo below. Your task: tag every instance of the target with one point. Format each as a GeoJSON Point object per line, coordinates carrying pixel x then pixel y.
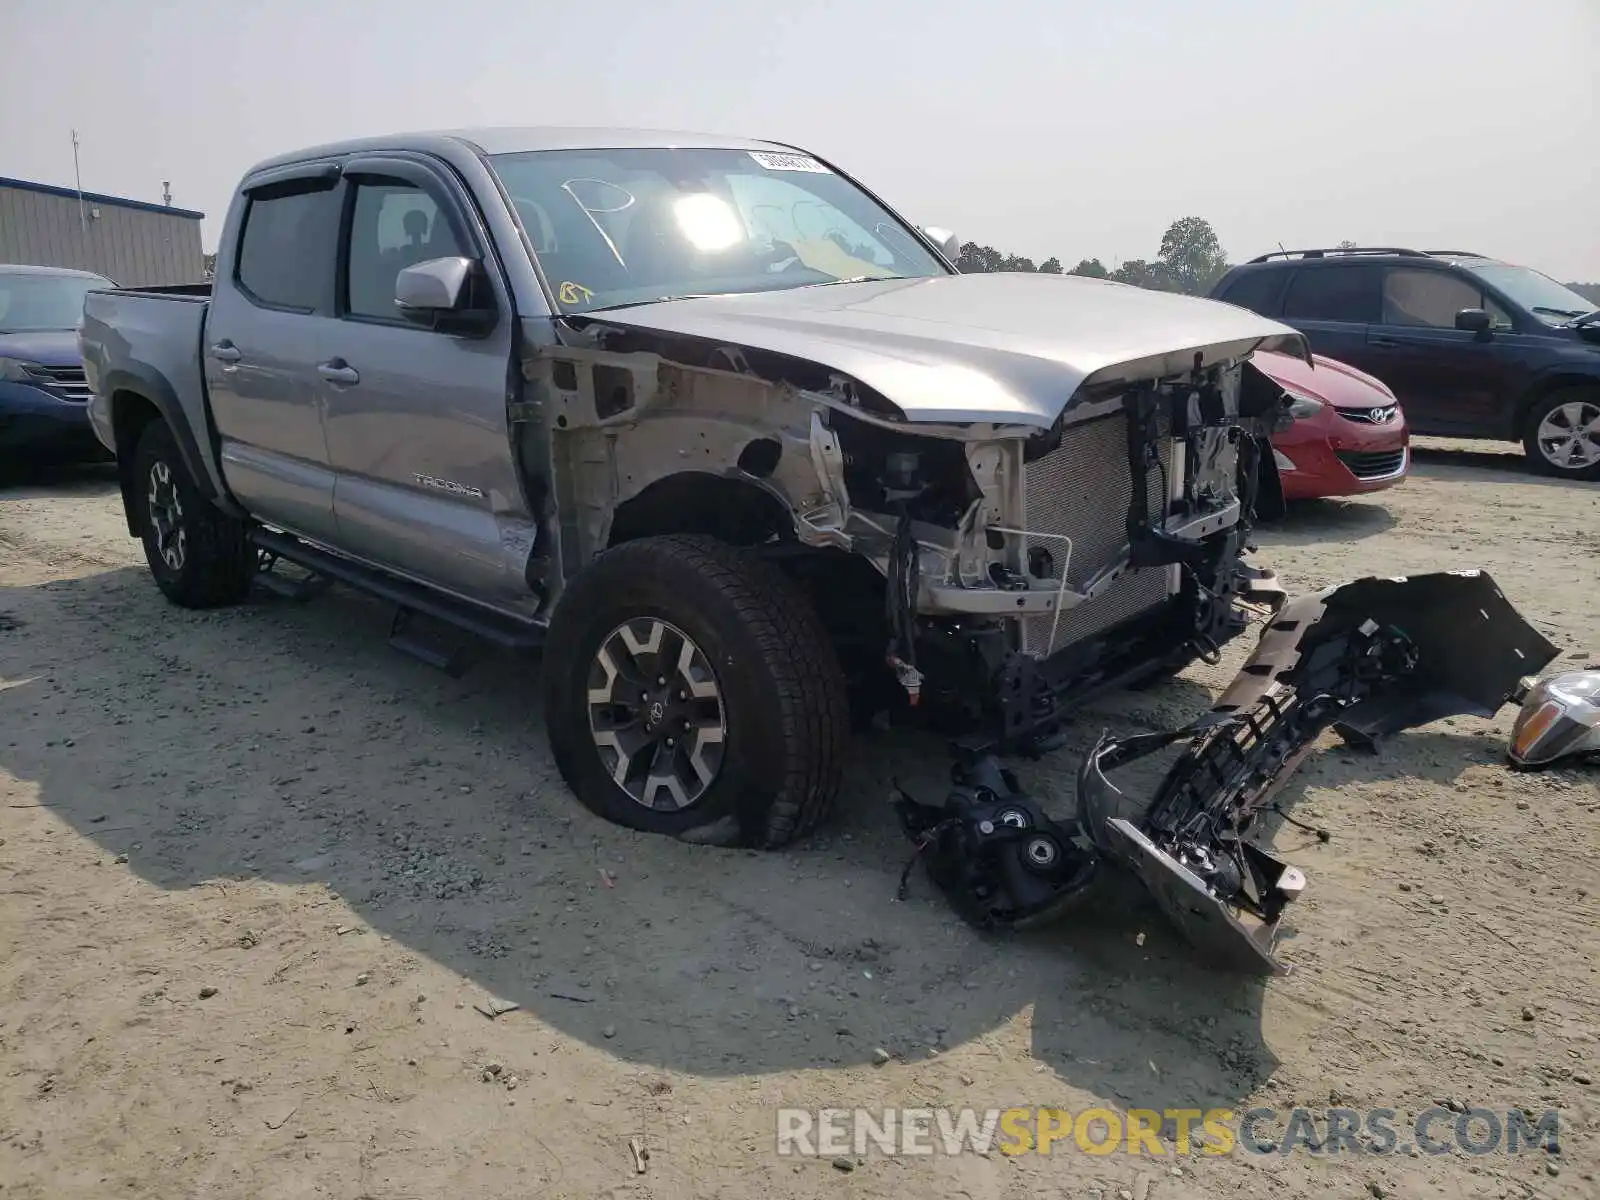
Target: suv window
{"type": "Point", "coordinates": [1256, 290]}
{"type": "Point", "coordinates": [1431, 299]}
{"type": "Point", "coordinates": [285, 248]}
{"type": "Point", "coordinates": [393, 226]}
{"type": "Point", "coordinates": [1334, 293]}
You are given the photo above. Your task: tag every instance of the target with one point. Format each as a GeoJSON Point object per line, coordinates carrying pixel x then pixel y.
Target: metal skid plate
{"type": "Point", "coordinates": [1237, 939]}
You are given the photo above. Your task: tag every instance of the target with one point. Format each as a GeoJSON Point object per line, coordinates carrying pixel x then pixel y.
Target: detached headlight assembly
{"type": "Point", "coordinates": [1301, 405]}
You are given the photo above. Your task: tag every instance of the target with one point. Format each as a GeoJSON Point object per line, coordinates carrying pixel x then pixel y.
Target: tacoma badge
{"type": "Point", "coordinates": [448, 485]}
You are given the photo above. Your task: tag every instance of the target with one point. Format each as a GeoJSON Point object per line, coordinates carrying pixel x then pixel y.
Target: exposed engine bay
{"type": "Point", "coordinates": [1368, 658]}
{"type": "Point", "coordinates": [1019, 569]}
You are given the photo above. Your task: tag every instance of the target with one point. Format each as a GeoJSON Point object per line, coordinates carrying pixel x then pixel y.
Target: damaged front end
{"type": "Point", "coordinates": [1368, 658]}
{"type": "Point", "coordinates": [1106, 549]}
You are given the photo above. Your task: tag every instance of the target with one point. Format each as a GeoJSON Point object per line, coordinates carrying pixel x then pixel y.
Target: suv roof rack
{"type": "Point", "coordinates": [1456, 253]}
{"type": "Point", "coordinates": [1335, 251]}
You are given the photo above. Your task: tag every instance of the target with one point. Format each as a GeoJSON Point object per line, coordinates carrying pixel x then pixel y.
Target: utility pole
{"type": "Point", "coordinates": [83, 216]}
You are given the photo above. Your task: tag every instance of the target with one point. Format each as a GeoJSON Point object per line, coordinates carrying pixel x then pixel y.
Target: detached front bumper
{"type": "Point", "coordinates": [1369, 658]}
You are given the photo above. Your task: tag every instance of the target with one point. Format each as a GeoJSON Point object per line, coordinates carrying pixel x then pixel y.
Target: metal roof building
{"type": "Point", "coordinates": [131, 242]}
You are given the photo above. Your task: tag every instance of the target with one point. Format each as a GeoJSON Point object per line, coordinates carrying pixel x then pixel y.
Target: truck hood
{"type": "Point", "coordinates": [47, 347]}
{"type": "Point", "coordinates": [1008, 348]}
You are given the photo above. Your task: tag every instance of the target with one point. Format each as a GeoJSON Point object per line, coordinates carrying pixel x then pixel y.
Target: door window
{"type": "Point", "coordinates": [286, 247]}
{"type": "Point", "coordinates": [393, 226]}
{"type": "Point", "coordinates": [1334, 293]}
{"type": "Point", "coordinates": [1258, 290]}
{"type": "Point", "coordinates": [1431, 299]}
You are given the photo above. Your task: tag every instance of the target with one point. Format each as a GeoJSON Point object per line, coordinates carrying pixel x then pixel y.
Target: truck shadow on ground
{"type": "Point", "coordinates": [289, 745]}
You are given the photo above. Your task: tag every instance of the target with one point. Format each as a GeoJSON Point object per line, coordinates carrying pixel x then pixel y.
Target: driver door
{"type": "Point", "coordinates": [424, 481]}
{"type": "Point", "coordinates": [1448, 380]}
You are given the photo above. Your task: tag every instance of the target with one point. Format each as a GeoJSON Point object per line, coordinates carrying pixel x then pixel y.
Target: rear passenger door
{"type": "Point", "coordinates": [417, 418]}
{"type": "Point", "coordinates": [263, 337]}
{"type": "Point", "coordinates": [1449, 380]}
{"type": "Point", "coordinates": [1333, 302]}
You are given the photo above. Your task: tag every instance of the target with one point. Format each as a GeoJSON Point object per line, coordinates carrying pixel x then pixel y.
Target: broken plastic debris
{"type": "Point", "coordinates": [493, 1007]}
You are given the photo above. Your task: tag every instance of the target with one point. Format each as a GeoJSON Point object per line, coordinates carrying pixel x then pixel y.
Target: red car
{"type": "Point", "coordinates": [1349, 435]}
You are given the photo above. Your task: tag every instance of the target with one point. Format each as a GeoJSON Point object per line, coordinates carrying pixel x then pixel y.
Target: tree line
{"type": "Point", "coordinates": [1190, 259]}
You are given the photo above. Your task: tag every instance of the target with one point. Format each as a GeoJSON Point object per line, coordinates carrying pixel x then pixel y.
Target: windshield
{"type": "Point", "coordinates": [33, 303]}
{"type": "Point", "coordinates": [618, 227]}
{"type": "Point", "coordinates": [1536, 292]}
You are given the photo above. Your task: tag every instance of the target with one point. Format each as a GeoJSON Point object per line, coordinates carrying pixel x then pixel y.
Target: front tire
{"type": "Point", "coordinates": [199, 555]}
{"type": "Point", "coordinates": [1561, 434]}
{"type": "Point", "coordinates": [691, 690]}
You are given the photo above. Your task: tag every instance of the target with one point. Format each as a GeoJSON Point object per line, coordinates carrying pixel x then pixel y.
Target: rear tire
{"type": "Point", "coordinates": [199, 555]}
{"type": "Point", "coordinates": [690, 689]}
{"type": "Point", "coordinates": [1561, 434]}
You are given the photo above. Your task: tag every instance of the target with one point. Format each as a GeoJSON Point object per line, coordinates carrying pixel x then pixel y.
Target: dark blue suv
{"type": "Point", "coordinates": [44, 398]}
{"type": "Point", "coordinates": [1471, 346]}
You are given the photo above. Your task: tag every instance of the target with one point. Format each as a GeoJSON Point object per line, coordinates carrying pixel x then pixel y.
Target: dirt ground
{"type": "Point", "coordinates": [257, 869]}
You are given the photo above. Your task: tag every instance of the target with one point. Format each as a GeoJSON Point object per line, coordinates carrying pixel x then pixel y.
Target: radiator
{"type": "Point", "coordinates": [1082, 489]}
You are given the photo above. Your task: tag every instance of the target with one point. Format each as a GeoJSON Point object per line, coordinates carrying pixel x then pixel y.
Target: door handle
{"type": "Point", "coordinates": [1382, 341]}
{"type": "Point", "coordinates": [336, 370]}
{"type": "Point", "coordinates": [225, 352]}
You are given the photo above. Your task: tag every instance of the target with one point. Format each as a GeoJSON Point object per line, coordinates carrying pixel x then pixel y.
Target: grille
{"type": "Point", "coordinates": [1370, 416]}
{"type": "Point", "coordinates": [66, 381]}
{"type": "Point", "coordinates": [1373, 464]}
{"type": "Point", "coordinates": [1082, 489]}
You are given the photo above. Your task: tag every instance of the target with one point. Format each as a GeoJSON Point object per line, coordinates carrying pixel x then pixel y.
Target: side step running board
{"type": "Point", "coordinates": [410, 599]}
{"type": "Point", "coordinates": [295, 590]}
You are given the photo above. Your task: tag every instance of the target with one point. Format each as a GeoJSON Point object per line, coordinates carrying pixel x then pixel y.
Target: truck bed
{"type": "Point", "coordinates": [148, 342]}
{"type": "Point", "coordinates": [175, 291]}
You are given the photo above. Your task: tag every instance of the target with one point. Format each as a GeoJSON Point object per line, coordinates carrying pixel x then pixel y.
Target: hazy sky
{"type": "Point", "coordinates": [1039, 126]}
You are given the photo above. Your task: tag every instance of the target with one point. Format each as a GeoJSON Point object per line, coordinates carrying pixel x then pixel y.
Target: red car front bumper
{"type": "Point", "coordinates": [1356, 442]}
{"type": "Point", "coordinates": [1341, 452]}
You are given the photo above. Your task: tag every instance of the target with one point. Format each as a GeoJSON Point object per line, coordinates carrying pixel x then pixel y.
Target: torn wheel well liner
{"type": "Point", "coordinates": [731, 510]}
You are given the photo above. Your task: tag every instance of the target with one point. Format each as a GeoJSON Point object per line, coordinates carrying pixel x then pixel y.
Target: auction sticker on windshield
{"type": "Point", "coordinates": [789, 162]}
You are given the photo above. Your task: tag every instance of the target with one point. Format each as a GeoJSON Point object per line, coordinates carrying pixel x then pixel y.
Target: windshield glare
{"type": "Point", "coordinates": [37, 303]}
{"type": "Point", "coordinates": [617, 227]}
{"type": "Point", "coordinates": [1537, 292]}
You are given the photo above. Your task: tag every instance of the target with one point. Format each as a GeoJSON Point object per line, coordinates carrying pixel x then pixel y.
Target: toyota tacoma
{"type": "Point", "coordinates": [727, 439]}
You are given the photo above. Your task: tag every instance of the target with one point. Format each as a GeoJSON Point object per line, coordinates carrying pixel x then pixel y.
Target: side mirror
{"type": "Point", "coordinates": [1473, 320]}
{"type": "Point", "coordinates": [949, 244]}
{"type": "Point", "coordinates": [438, 285]}
{"type": "Point", "coordinates": [440, 294]}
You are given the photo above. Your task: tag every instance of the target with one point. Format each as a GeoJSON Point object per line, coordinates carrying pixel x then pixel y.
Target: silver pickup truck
{"type": "Point", "coordinates": [728, 438]}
